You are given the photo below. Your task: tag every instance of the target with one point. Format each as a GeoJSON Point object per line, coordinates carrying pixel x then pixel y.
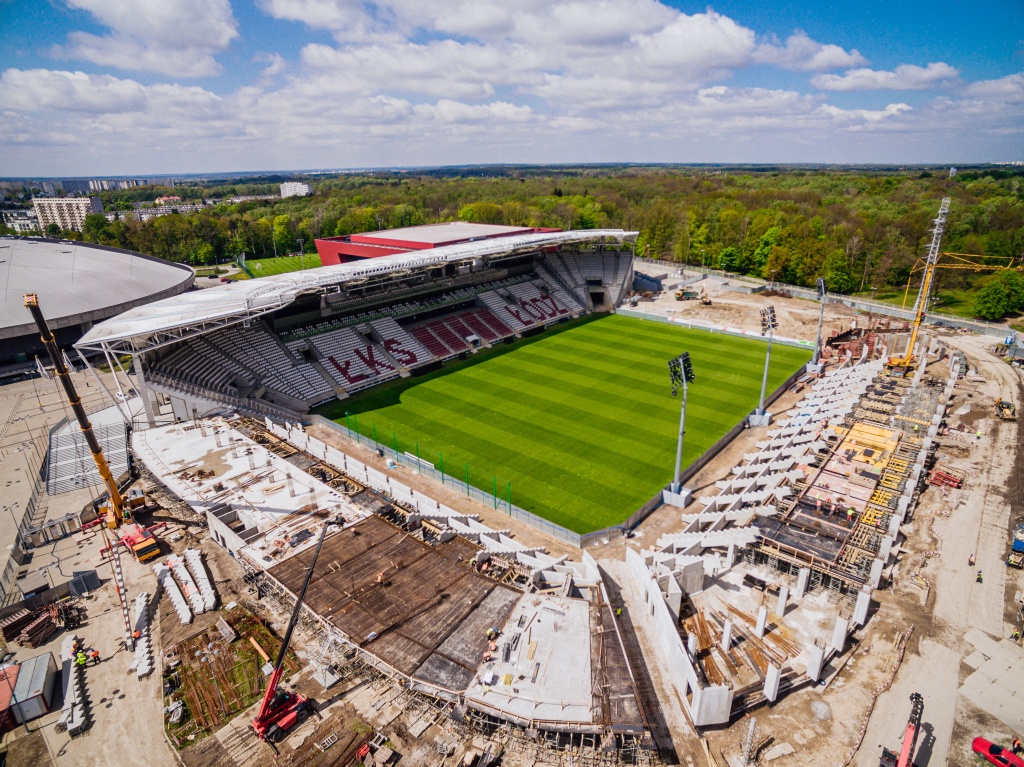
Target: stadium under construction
{"type": "Point", "coordinates": [753, 596]}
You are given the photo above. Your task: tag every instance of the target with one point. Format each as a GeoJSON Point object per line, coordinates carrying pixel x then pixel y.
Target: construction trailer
{"type": "Point", "coordinates": [33, 692]}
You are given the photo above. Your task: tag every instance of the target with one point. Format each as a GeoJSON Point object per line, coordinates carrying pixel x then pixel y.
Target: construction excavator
{"type": "Point", "coordinates": [281, 710]}
{"type": "Point", "coordinates": [905, 758]}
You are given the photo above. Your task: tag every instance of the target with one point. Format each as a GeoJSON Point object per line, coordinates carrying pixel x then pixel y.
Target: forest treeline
{"type": "Point", "coordinates": [861, 231]}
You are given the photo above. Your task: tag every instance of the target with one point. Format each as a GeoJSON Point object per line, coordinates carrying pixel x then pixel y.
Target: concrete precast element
{"type": "Point", "coordinates": [187, 583]}
{"type": "Point", "coordinates": [815, 661]}
{"type": "Point", "coordinates": [762, 620]}
{"type": "Point", "coordinates": [74, 713]}
{"type": "Point", "coordinates": [194, 559]}
{"type": "Point", "coordinates": [860, 611]}
{"type": "Point", "coordinates": [771, 682]}
{"type": "Point", "coordinates": [884, 549]}
{"type": "Point", "coordinates": [780, 608]}
{"type": "Point", "coordinates": [839, 635]}
{"type": "Point", "coordinates": [875, 576]}
{"type": "Point", "coordinates": [142, 663]}
{"type": "Point", "coordinates": [727, 635]}
{"type": "Point", "coordinates": [801, 582]}
{"type": "Point", "coordinates": [166, 580]}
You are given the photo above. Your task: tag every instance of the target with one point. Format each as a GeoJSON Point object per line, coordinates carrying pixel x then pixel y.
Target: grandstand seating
{"type": "Point", "coordinates": [473, 321]}
{"type": "Point", "coordinates": [402, 347]}
{"type": "Point", "coordinates": [444, 333]}
{"type": "Point", "coordinates": [512, 316]}
{"type": "Point", "coordinates": [351, 360]}
{"type": "Point", "coordinates": [499, 327]}
{"type": "Point", "coordinates": [251, 366]}
{"type": "Point", "coordinates": [431, 342]}
{"type": "Point", "coordinates": [263, 354]}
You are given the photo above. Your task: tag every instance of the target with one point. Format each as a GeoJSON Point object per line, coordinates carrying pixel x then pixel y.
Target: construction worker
{"type": "Point", "coordinates": [970, 561]}
{"type": "Point", "coordinates": [95, 656]}
{"type": "Point", "coordinates": [1017, 746]}
{"type": "Point", "coordinates": [978, 579]}
{"type": "Point", "coordinates": [80, 659]}
{"type": "Point", "coordinates": [1015, 636]}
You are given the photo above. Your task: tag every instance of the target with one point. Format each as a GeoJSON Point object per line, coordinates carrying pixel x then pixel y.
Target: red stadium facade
{"type": "Point", "coordinates": [357, 247]}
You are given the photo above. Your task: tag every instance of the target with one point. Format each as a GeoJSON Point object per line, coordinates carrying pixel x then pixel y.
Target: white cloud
{"type": "Point", "coordinates": [409, 82]}
{"type": "Point", "coordinates": [803, 54]}
{"type": "Point", "coordinates": [44, 89]}
{"type": "Point", "coordinates": [906, 77]}
{"type": "Point", "coordinates": [172, 37]}
{"type": "Point", "coordinates": [1007, 89]}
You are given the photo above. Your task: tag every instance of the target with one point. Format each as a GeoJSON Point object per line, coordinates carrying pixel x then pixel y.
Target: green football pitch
{"type": "Point", "coordinates": [264, 267]}
{"type": "Point", "coordinates": [579, 423]}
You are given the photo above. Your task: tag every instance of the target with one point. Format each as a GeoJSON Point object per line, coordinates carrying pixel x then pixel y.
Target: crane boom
{"type": "Point", "coordinates": [905, 758]}
{"type": "Point", "coordinates": [117, 509]}
{"type": "Point", "coordinates": [281, 710]}
{"type": "Point", "coordinates": [921, 307]}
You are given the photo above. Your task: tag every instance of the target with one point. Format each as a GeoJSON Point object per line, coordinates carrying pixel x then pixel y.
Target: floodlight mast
{"type": "Point", "coordinates": [680, 371]}
{"type": "Point", "coordinates": [822, 294]}
{"type": "Point", "coordinates": [769, 322]}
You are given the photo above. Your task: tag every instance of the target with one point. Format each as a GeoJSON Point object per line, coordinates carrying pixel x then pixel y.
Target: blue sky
{"type": "Point", "coordinates": [118, 87]}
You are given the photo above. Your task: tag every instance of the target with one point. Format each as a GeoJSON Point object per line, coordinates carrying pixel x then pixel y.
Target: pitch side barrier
{"type": "Point", "coordinates": [713, 328]}
{"type": "Point", "coordinates": [493, 499]}
{"type": "Point", "coordinates": [999, 330]}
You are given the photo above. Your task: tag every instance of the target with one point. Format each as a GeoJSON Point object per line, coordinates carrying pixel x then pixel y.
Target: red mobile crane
{"type": "Point", "coordinates": [281, 710]}
{"type": "Point", "coordinates": [906, 755]}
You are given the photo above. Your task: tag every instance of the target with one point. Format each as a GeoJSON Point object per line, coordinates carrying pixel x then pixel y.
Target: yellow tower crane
{"type": "Point", "coordinates": [902, 364]}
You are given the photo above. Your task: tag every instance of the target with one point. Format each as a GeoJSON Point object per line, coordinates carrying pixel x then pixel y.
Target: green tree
{"type": "Point", "coordinates": [764, 248]}
{"type": "Point", "coordinates": [52, 230]}
{"type": "Point", "coordinates": [95, 228]}
{"type": "Point", "coordinates": [731, 260]}
{"type": "Point", "coordinates": [992, 301]}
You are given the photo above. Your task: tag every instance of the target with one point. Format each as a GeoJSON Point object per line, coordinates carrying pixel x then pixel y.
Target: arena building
{"type": "Point", "coordinates": [354, 247]}
{"type": "Point", "coordinates": [78, 285]}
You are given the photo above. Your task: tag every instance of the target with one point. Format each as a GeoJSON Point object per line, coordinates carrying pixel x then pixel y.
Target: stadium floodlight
{"type": "Point", "coordinates": [769, 324]}
{"type": "Point", "coordinates": [822, 295]}
{"type": "Point", "coordinates": [680, 373]}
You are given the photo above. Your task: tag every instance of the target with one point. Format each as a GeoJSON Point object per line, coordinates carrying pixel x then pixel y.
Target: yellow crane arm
{"type": "Point", "coordinates": [921, 307]}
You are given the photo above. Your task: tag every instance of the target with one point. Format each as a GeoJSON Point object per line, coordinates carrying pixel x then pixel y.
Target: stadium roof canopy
{"type": "Point", "coordinates": [78, 282]}
{"type": "Point", "coordinates": [164, 322]}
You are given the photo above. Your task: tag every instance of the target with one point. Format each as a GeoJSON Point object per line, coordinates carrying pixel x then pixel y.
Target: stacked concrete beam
{"type": "Point", "coordinates": [194, 559]}
{"type": "Point", "coordinates": [187, 583]}
{"type": "Point", "coordinates": [166, 580]}
{"type": "Point", "coordinates": [74, 715]}
{"type": "Point", "coordinates": [142, 663]}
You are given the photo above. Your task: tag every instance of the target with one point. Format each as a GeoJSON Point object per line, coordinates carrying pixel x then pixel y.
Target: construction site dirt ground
{"type": "Point", "coordinates": [125, 711]}
{"type": "Point", "coordinates": [932, 597]}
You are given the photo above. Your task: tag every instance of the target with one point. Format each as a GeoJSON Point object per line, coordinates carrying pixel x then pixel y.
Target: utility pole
{"type": "Point", "coordinates": [680, 371]}
{"type": "Point", "coordinates": [822, 294]}
{"type": "Point", "coordinates": [769, 323]}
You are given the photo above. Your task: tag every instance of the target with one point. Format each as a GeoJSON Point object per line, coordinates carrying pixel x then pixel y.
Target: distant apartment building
{"type": "Point", "coordinates": [65, 212]}
{"type": "Point", "coordinates": [21, 221]}
{"type": "Point", "coordinates": [75, 185]}
{"type": "Point", "coordinates": [295, 189]}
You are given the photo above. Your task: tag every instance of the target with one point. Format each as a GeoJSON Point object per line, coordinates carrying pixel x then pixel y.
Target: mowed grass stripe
{"type": "Point", "coordinates": [622, 407]}
{"type": "Point", "coordinates": [580, 419]}
{"type": "Point", "coordinates": [538, 443]}
{"type": "Point", "coordinates": [552, 484]}
{"type": "Point", "coordinates": [625, 379]}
